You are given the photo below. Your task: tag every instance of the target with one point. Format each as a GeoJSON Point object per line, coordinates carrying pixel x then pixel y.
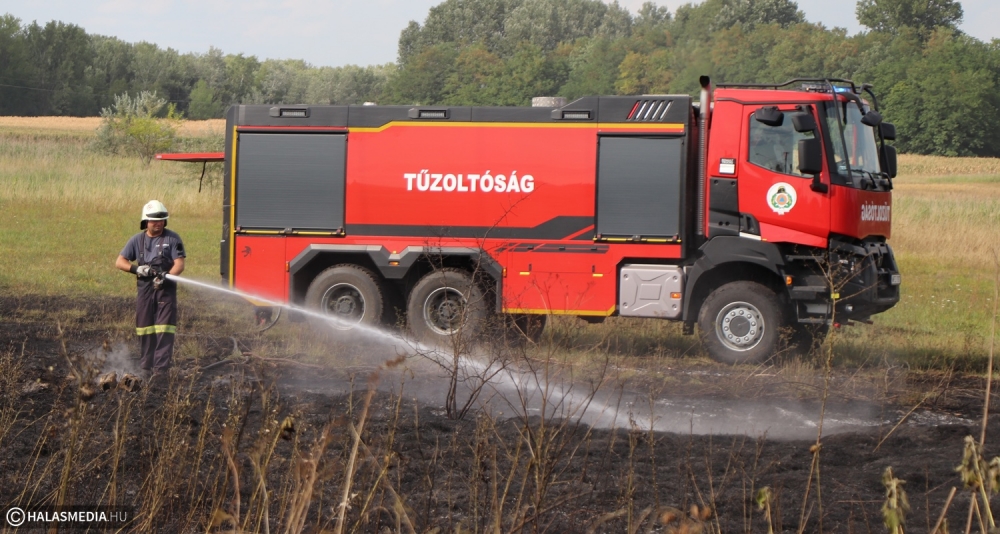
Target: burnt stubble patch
{"type": "Point", "coordinates": [245, 442]}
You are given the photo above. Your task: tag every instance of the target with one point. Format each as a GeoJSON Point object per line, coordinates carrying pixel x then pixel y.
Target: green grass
{"type": "Point", "coordinates": [53, 249]}
{"type": "Point", "coordinates": [67, 211]}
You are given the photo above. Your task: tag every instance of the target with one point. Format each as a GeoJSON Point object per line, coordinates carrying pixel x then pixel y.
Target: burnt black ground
{"type": "Point", "coordinates": [443, 469]}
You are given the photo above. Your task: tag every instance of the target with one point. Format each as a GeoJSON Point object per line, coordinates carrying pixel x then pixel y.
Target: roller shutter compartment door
{"type": "Point", "coordinates": [290, 181]}
{"type": "Point", "coordinates": [639, 186]}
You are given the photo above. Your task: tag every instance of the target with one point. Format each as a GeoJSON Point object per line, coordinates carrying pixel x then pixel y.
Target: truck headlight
{"type": "Point", "coordinates": [895, 279]}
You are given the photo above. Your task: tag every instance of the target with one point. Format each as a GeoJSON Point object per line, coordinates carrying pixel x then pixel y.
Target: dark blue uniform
{"type": "Point", "coordinates": [156, 307]}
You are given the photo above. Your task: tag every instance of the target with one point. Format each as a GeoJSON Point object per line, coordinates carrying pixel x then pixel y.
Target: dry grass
{"type": "Point", "coordinates": [55, 188]}
{"type": "Point", "coordinates": [946, 223]}
{"type": "Point", "coordinates": [49, 171]}
{"type": "Point", "coordinates": [90, 124]}
{"type": "Point", "coordinates": [911, 165]}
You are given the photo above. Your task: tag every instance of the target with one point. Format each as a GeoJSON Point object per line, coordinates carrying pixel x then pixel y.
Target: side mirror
{"type": "Point", "coordinates": [810, 156]}
{"type": "Point", "coordinates": [889, 160]}
{"type": "Point", "coordinates": [803, 122]}
{"type": "Point", "coordinates": [888, 130]}
{"type": "Point", "coordinates": [811, 162]}
{"type": "Point", "coordinates": [770, 115]}
{"type": "Point", "coordinates": [872, 118]}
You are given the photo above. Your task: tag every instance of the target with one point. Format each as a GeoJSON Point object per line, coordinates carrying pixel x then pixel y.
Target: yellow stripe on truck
{"type": "Point", "coordinates": [665, 127]}
{"type": "Point", "coordinates": [232, 211]}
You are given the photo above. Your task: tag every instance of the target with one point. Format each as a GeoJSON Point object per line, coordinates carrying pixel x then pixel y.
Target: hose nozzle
{"type": "Point", "coordinates": [158, 278]}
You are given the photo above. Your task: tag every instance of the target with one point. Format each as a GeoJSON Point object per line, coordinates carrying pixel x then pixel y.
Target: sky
{"type": "Point", "coordinates": [333, 32]}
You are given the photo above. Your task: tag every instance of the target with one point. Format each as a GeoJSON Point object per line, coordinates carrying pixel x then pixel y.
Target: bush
{"type": "Point", "coordinates": [132, 126]}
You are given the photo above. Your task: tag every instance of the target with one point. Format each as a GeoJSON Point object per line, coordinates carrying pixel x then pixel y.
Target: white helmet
{"type": "Point", "coordinates": [154, 210]}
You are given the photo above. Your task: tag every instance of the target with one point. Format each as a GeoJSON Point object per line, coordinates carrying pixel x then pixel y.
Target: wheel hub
{"type": "Point", "coordinates": [345, 303]}
{"type": "Point", "coordinates": [444, 310]}
{"type": "Point", "coordinates": [740, 326]}
{"type": "Point", "coordinates": [344, 306]}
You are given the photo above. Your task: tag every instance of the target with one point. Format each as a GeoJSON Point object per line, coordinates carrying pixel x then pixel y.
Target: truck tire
{"type": "Point", "coordinates": [740, 322]}
{"type": "Point", "coordinates": [348, 293]}
{"type": "Point", "coordinates": [443, 304]}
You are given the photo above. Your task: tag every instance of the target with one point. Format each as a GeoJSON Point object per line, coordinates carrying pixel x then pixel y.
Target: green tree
{"type": "Point", "coordinates": [350, 84]}
{"type": "Point", "coordinates": [808, 50]}
{"type": "Point", "coordinates": [282, 81]}
{"type": "Point", "coordinates": [647, 66]}
{"type": "Point", "coordinates": [529, 73]}
{"type": "Point", "coordinates": [741, 56]}
{"type": "Point", "coordinates": [203, 104]}
{"type": "Point", "coordinates": [476, 80]}
{"type": "Point", "coordinates": [924, 15]}
{"type": "Point", "coordinates": [211, 67]}
{"type": "Point", "coordinates": [645, 73]}
{"type": "Point", "coordinates": [163, 71]}
{"type": "Point", "coordinates": [751, 13]}
{"type": "Point", "coordinates": [948, 104]}
{"type": "Point", "coordinates": [111, 72]}
{"type": "Point", "coordinates": [61, 54]}
{"type": "Point", "coordinates": [593, 68]}
{"type": "Point", "coordinates": [457, 21]}
{"type": "Point", "coordinates": [17, 72]}
{"type": "Point", "coordinates": [695, 22]}
{"type": "Point", "coordinates": [651, 15]}
{"type": "Point", "coordinates": [546, 23]}
{"type": "Point", "coordinates": [241, 74]}
{"type": "Point", "coordinates": [422, 80]}
{"type": "Point", "coordinates": [885, 60]}
{"type": "Point", "coordinates": [502, 25]}
{"type": "Point", "coordinates": [651, 28]}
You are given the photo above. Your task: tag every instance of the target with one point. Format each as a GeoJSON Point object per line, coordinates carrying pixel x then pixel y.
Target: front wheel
{"type": "Point", "coordinates": [740, 322]}
{"type": "Point", "coordinates": [445, 304]}
{"type": "Point", "coordinates": [349, 295]}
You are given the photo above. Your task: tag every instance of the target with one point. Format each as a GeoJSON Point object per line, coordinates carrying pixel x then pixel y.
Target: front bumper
{"type": "Point", "coordinates": [860, 277]}
{"type": "Point", "coordinates": [866, 277]}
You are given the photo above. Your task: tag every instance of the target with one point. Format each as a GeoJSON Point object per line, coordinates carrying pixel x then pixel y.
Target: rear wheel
{"type": "Point", "coordinates": [348, 294]}
{"type": "Point", "coordinates": [740, 322]}
{"type": "Point", "coordinates": [444, 304]}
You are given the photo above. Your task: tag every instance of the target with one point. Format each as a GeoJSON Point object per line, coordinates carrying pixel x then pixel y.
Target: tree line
{"type": "Point", "coordinates": [59, 69]}
{"type": "Point", "coordinates": [938, 85]}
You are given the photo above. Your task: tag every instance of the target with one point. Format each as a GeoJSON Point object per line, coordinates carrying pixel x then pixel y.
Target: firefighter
{"type": "Point", "coordinates": [156, 251]}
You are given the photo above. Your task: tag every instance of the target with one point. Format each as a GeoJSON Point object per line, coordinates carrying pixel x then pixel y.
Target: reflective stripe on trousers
{"type": "Point", "coordinates": [156, 323]}
{"type": "Point", "coordinates": [156, 329]}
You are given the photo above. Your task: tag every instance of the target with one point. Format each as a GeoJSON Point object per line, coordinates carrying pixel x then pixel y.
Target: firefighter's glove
{"type": "Point", "coordinates": [144, 271]}
{"type": "Point", "coordinates": [158, 280]}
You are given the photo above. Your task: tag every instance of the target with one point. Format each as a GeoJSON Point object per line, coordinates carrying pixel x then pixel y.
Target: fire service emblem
{"type": "Point", "coordinates": [781, 198]}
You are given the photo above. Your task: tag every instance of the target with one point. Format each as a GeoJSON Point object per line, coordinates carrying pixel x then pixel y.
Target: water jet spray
{"type": "Point", "coordinates": [789, 420]}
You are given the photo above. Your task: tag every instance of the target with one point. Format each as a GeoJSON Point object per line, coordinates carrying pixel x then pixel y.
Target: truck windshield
{"type": "Point", "coordinates": [857, 148]}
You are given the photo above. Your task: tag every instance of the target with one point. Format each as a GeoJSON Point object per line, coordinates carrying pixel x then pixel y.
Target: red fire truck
{"type": "Point", "coordinates": [760, 214]}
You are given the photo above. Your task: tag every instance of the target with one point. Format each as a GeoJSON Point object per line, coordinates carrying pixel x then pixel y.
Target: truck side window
{"type": "Point", "coordinates": [776, 147]}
